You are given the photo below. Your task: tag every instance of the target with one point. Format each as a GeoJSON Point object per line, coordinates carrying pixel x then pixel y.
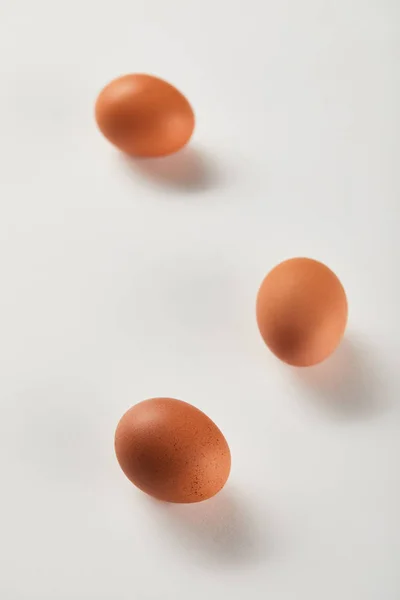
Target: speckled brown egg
{"type": "Point", "coordinates": [172, 451]}
{"type": "Point", "coordinates": [301, 311]}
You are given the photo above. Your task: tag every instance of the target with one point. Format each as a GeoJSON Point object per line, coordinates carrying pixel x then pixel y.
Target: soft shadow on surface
{"type": "Point", "coordinates": [189, 170]}
{"type": "Point", "coordinates": [346, 385]}
{"type": "Point", "coordinates": [219, 531]}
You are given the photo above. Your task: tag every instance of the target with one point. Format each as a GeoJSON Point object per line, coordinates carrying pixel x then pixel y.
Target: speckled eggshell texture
{"type": "Point", "coordinates": [172, 451]}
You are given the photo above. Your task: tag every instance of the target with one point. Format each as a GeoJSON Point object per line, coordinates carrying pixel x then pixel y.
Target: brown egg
{"type": "Point", "coordinates": [144, 116]}
{"type": "Point", "coordinates": [301, 311]}
{"type": "Point", "coordinates": [172, 451]}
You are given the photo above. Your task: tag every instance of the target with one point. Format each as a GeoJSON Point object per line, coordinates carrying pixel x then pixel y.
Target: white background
{"type": "Point", "coordinates": [123, 281]}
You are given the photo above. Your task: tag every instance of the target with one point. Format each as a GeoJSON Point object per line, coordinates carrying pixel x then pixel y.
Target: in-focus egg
{"type": "Point", "coordinates": [144, 116]}
{"type": "Point", "coordinates": [301, 311]}
{"type": "Point", "coordinates": [172, 451]}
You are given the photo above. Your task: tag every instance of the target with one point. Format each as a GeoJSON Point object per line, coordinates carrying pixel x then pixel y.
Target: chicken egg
{"type": "Point", "coordinates": [144, 116]}
{"type": "Point", "coordinates": [301, 311]}
{"type": "Point", "coordinates": [172, 451]}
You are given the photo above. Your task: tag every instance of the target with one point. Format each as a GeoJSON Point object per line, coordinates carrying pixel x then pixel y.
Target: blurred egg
{"type": "Point", "coordinates": [301, 311]}
{"type": "Point", "coordinates": [144, 116]}
{"type": "Point", "coordinates": [172, 451]}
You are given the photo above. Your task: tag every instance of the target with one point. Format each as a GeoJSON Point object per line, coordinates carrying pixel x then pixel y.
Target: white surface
{"type": "Point", "coordinates": [121, 283]}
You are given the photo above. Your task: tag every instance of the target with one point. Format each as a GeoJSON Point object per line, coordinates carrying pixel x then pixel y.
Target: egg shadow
{"type": "Point", "coordinates": [189, 170]}
{"type": "Point", "coordinates": [220, 531]}
{"type": "Point", "coordinates": [347, 384]}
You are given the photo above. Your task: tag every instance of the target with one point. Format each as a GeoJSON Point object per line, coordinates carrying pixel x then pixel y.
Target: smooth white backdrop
{"type": "Point", "coordinates": [123, 281]}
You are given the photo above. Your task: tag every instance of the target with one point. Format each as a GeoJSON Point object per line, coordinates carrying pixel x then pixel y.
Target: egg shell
{"type": "Point", "coordinates": [301, 311]}
{"type": "Point", "coordinates": [144, 116]}
{"type": "Point", "coordinates": [172, 451]}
